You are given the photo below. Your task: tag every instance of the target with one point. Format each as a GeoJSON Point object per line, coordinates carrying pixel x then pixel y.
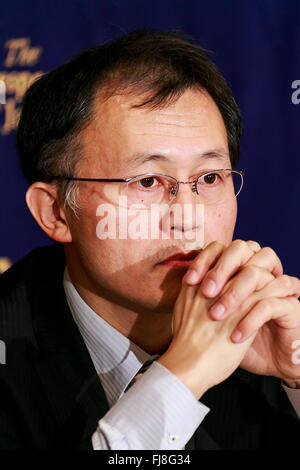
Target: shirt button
{"type": "Point", "coordinates": [173, 438]}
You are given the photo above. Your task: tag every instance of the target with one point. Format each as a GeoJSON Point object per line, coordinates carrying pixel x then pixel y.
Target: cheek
{"type": "Point", "coordinates": [98, 240]}
{"type": "Point", "coordinates": [219, 222]}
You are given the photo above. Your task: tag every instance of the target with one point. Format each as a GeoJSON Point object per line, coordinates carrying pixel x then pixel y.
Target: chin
{"type": "Point", "coordinates": [170, 289]}
{"type": "Point", "coordinates": [162, 306]}
{"type": "Point", "coordinates": [162, 297]}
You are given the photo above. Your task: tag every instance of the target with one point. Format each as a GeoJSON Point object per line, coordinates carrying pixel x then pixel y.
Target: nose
{"type": "Point", "coordinates": [186, 215]}
{"type": "Point", "coordinates": [185, 194]}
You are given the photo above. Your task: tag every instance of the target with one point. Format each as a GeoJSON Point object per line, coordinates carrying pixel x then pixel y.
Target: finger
{"type": "Point", "coordinates": [254, 246]}
{"type": "Point", "coordinates": [235, 256]}
{"type": "Point", "coordinates": [285, 311]}
{"type": "Point", "coordinates": [268, 259]}
{"type": "Point", "coordinates": [282, 286]}
{"type": "Point", "coordinates": [249, 279]}
{"type": "Point", "coordinates": [200, 265]}
{"type": "Point", "coordinates": [263, 257]}
{"type": "Point", "coordinates": [207, 259]}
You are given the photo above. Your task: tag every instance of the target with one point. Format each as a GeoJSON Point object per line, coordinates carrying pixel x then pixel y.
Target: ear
{"type": "Point", "coordinates": [43, 202]}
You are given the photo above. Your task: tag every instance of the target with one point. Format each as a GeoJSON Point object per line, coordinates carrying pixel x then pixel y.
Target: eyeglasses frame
{"type": "Point", "coordinates": [242, 173]}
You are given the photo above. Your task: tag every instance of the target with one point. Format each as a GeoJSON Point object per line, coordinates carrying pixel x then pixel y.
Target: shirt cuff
{"type": "Point", "coordinates": [294, 397]}
{"type": "Point", "coordinates": [158, 412]}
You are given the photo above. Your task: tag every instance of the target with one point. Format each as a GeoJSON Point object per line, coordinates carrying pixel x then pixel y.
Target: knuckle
{"type": "Point", "coordinates": [265, 305]}
{"type": "Point", "coordinates": [244, 249]}
{"type": "Point", "coordinates": [274, 259]}
{"type": "Point", "coordinates": [268, 251]}
{"type": "Point", "coordinates": [253, 245]}
{"type": "Point", "coordinates": [295, 280]}
{"type": "Point", "coordinates": [230, 299]}
{"type": "Point", "coordinates": [285, 281]}
{"type": "Point", "coordinates": [252, 271]}
{"type": "Point", "coordinates": [240, 244]}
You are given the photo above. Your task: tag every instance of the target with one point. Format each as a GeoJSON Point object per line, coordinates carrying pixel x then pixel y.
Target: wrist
{"type": "Point", "coordinates": [186, 375]}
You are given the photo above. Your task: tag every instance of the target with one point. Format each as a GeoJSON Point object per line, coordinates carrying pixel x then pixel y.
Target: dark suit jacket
{"type": "Point", "coordinates": [51, 396]}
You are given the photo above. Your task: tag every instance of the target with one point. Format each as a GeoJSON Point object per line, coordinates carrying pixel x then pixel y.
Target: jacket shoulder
{"type": "Point", "coordinates": [30, 267]}
{"type": "Point", "coordinates": [19, 284]}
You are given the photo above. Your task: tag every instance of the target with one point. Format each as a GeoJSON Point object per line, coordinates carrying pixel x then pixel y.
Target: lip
{"type": "Point", "coordinates": [180, 259]}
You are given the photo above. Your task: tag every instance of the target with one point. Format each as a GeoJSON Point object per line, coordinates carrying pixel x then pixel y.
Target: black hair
{"type": "Point", "coordinates": [158, 64]}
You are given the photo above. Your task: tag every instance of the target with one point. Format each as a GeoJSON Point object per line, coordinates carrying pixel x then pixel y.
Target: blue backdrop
{"type": "Point", "coordinates": [256, 45]}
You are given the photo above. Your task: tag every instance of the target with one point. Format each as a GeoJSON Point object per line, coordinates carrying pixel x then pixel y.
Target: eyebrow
{"type": "Point", "coordinates": [141, 159]}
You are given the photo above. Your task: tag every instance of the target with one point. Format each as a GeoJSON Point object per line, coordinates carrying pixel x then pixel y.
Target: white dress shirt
{"type": "Point", "coordinates": [158, 412]}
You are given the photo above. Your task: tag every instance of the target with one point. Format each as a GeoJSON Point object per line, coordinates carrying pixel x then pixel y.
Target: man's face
{"type": "Point", "coordinates": [129, 271]}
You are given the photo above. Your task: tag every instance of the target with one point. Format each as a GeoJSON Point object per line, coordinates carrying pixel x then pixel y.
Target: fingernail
{"type": "Point", "coordinates": [237, 336]}
{"type": "Point", "coordinates": [218, 311]}
{"type": "Point", "coordinates": [191, 276]}
{"type": "Point", "coordinates": [209, 287]}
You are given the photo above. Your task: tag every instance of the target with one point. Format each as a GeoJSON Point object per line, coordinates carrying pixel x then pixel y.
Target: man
{"type": "Point", "coordinates": [147, 121]}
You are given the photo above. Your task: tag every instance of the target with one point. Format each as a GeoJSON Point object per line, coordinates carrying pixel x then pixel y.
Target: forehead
{"type": "Point", "coordinates": [120, 132]}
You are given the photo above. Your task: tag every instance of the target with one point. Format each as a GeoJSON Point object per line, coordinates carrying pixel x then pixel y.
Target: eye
{"type": "Point", "coordinates": [147, 182]}
{"type": "Point", "coordinates": [210, 179]}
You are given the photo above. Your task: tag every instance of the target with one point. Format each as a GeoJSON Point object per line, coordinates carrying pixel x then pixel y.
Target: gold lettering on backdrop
{"type": "Point", "coordinates": [12, 115]}
{"type": "Point", "coordinates": [19, 54]}
{"type": "Point", "coordinates": [5, 263]}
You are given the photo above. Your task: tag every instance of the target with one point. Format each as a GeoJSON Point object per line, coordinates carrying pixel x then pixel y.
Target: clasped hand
{"type": "Point", "coordinates": [248, 279]}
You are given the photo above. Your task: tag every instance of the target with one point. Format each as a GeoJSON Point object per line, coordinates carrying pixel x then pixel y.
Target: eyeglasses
{"type": "Point", "coordinates": [211, 187]}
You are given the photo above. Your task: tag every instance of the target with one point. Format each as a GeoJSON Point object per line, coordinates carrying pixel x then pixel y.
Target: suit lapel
{"type": "Point", "coordinates": [201, 440]}
{"type": "Point", "coordinates": [66, 370]}
{"type": "Point", "coordinates": [67, 373]}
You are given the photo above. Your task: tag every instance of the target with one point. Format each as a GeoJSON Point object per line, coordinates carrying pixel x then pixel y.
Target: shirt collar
{"type": "Point", "coordinates": [116, 358]}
